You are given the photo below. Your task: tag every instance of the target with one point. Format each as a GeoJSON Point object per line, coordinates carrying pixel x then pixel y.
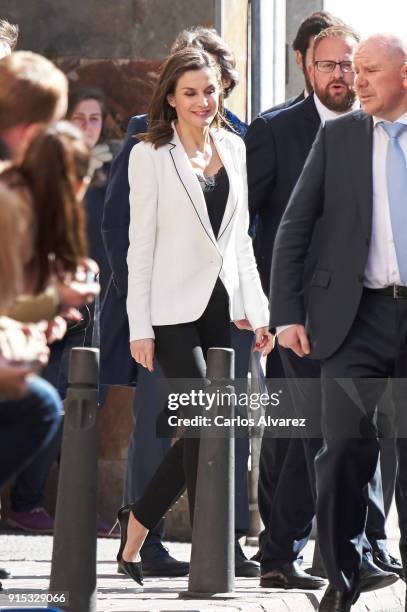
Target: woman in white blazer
{"type": "Point", "coordinates": [190, 260]}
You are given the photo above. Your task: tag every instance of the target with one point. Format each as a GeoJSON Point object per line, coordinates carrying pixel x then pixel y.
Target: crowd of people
{"type": "Point", "coordinates": [200, 232]}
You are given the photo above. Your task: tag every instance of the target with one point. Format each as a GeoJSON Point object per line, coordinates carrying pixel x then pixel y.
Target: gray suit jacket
{"type": "Point", "coordinates": [335, 187]}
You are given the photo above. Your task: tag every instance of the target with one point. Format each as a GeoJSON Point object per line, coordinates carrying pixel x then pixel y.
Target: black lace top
{"type": "Point", "coordinates": [216, 191]}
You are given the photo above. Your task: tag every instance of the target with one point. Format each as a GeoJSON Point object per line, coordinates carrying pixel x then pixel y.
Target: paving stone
{"type": "Point", "coordinates": [29, 560]}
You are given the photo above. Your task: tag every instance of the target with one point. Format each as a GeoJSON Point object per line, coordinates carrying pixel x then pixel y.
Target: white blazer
{"type": "Point", "coordinates": [174, 258]}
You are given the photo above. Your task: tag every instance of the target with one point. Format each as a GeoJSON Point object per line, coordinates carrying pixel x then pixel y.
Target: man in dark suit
{"type": "Point", "coordinates": [271, 140]}
{"type": "Point", "coordinates": [274, 449]}
{"type": "Point", "coordinates": [146, 449]}
{"type": "Point", "coordinates": [355, 319]}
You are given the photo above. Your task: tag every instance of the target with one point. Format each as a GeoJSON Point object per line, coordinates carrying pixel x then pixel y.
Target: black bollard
{"type": "Point", "coordinates": [74, 552]}
{"type": "Point", "coordinates": [212, 568]}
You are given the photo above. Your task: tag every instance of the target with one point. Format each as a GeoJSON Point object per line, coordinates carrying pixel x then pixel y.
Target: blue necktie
{"type": "Point", "coordinates": [396, 173]}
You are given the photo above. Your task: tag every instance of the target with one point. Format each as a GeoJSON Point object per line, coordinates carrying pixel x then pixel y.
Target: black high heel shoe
{"type": "Point", "coordinates": [131, 568]}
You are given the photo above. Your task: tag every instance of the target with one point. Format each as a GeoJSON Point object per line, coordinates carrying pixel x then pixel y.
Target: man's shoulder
{"type": "Point", "coordinates": [137, 125]}
{"type": "Point", "coordinates": [286, 116]}
{"type": "Point", "coordinates": [348, 121]}
{"type": "Point", "coordinates": [285, 104]}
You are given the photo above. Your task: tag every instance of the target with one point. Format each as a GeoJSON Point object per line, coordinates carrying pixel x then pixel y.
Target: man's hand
{"type": "Point", "coordinates": [142, 351]}
{"type": "Point", "coordinates": [296, 339]}
{"type": "Point", "coordinates": [264, 341]}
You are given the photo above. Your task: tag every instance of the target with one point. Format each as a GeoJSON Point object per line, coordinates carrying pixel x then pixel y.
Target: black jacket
{"type": "Point", "coordinates": [335, 191]}
{"type": "Point", "coordinates": [277, 146]}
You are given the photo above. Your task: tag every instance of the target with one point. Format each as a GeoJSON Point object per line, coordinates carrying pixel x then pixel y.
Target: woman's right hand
{"type": "Point", "coordinates": [142, 351]}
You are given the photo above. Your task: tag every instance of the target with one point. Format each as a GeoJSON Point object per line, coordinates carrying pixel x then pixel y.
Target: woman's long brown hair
{"type": "Point", "coordinates": [161, 114]}
{"type": "Point", "coordinates": [55, 164]}
{"type": "Point", "coordinates": [11, 266]}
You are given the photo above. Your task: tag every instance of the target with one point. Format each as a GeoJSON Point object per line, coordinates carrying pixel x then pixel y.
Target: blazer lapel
{"type": "Point", "coordinates": [226, 157]}
{"type": "Point", "coordinates": [190, 183]}
{"type": "Point", "coordinates": [311, 117]}
{"type": "Point", "coordinates": [360, 147]}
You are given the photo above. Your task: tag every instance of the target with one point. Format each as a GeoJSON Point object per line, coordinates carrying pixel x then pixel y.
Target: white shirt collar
{"type": "Point", "coordinates": [326, 114]}
{"type": "Point", "coordinates": [402, 119]}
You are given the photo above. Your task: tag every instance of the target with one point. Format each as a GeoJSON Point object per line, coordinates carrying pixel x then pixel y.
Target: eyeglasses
{"type": "Point", "coordinates": [328, 66]}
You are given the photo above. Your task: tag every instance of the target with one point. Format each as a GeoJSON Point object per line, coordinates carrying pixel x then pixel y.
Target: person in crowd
{"type": "Point", "coordinates": [274, 449]}
{"type": "Point", "coordinates": [188, 202]}
{"type": "Point", "coordinates": [41, 408]}
{"type": "Point", "coordinates": [51, 244]}
{"type": "Point", "coordinates": [51, 180]}
{"type": "Point", "coordinates": [354, 184]}
{"type": "Point", "coordinates": [33, 93]}
{"type": "Point", "coordinates": [271, 139]}
{"type": "Point", "coordinates": [8, 37]}
{"type": "Point", "coordinates": [86, 109]}
{"type": "Point", "coordinates": [146, 450]}
{"type": "Point", "coordinates": [23, 351]}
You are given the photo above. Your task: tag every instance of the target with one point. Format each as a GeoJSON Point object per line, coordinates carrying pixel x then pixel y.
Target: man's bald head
{"type": "Point", "coordinates": [381, 76]}
{"type": "Point", "coordinates": [390, 46]}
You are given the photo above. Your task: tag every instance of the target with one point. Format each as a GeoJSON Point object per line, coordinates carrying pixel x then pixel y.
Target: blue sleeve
{"type": "Point", "coordinates": [240, 127]}
{"type": "Point", "coordinates": [116, 214]}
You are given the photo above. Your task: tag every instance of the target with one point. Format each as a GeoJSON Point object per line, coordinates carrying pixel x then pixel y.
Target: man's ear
{"type": "Point", "coordinates": [311, 73]}
{"type": "Point", "coordinates": [23, 136]}
{"type": "Point", "coordinates": [31, 130]}
{"type": "Point", "coordinates": [298, 60]}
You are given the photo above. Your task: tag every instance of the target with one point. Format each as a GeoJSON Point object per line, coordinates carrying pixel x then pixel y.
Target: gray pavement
{"type": "Point", "coordinates": [28, 558]}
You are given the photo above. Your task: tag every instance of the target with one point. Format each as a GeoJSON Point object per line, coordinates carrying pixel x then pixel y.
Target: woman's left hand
{"type": "Point", "coordinates": [264, 341]}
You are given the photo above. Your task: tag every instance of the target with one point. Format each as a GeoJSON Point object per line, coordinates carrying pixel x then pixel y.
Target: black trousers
{"type": "Point", "coordinates": [181, 351]}
{"type": "Point", "coordinates": [273, 451]}
{"type": "Point", "coordinates": [354, 380]}
{"type": "Point", "coordinates": [293, 505]}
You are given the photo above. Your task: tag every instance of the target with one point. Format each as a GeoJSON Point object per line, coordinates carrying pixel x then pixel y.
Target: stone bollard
{"type": "Point", "coordinates": [73, 568]}
{"type": "Point", "coordinates": [212, 568]}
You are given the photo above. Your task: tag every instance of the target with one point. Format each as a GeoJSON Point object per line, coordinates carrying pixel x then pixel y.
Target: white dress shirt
{"type": "Point", "coordinates": [382, 268]}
